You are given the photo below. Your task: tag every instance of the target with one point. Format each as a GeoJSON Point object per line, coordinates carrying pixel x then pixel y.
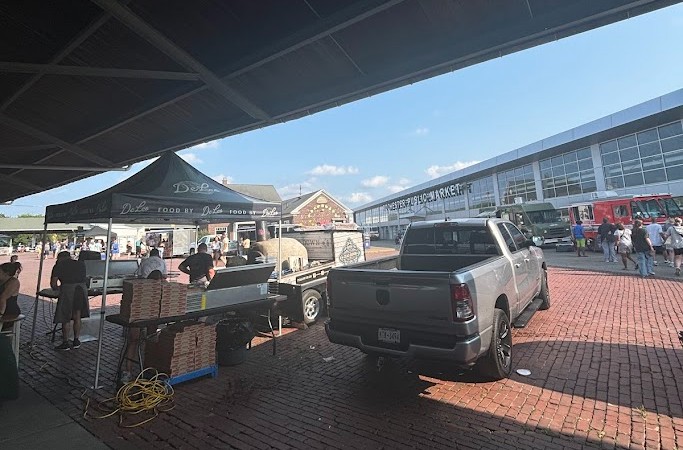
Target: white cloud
{"type": "Point", "coordinates": [358, 198]}
{"type": "Point", "coordinates": [190, 158]}
{"type": "Point", "coordinates": [221, 177]}
{"type": "Point", "coordinates": [436, 171]}
{"type": "Point", "coordinates": [203, 145]}
{"type": "Point", "coordinates": [295, 189]}
{"type": "Point", "coordinates": [421, 131]}
{"type": "Point", "coordinates": [403, 184]}
{"type": "Point", "coordinates": [376, 181]}
{"type": "Point", "coordinates": [327, 169]}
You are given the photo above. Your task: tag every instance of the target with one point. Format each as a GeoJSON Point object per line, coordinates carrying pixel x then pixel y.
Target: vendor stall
{"type": "Point", "coordinates": [168, 191]}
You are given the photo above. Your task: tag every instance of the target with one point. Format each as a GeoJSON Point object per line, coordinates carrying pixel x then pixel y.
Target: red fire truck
{"type": "Point", "coordinates": [624, 209]}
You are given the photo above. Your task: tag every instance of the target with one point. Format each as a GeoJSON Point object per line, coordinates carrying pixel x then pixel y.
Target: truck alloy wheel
{"type": "Point", "coordinates": [497, 363]}
{"type": "Point", "coordinates": [311, 303]}
{"type": "Point", "coordinates": [504, 344]}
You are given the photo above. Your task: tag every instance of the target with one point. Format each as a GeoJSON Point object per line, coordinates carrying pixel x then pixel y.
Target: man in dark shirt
{"type": "Point", "coordinates": [199, 265]}
{"type": "Point", "coordinates": [606, 233]}
{"type": "Point", "coordinates": [68, 277]}
{"type": "Point", "coordinates": [643, 248]}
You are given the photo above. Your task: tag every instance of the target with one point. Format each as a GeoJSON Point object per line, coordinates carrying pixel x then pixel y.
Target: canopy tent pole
{"type": "Point", "coordinates": [279, 252]}
{"type": "Point", "coordinates": [40, 273]}
{"type": "Point", "coordinates": [102, 309]}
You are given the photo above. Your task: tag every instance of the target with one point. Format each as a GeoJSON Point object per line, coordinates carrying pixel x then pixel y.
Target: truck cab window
{"type": "Point", "coordinates": [420, 241]}
{"type": "Point", "coordinates": [620, 211]}
{"type": "Point", "coordinates": [671, 207]}
{"type": "Point", "coordinates": [508, 239]}
{"type": "Point", "coordinates": [648, 208]}
{"type": "Point", "coordinates": [517, 236]}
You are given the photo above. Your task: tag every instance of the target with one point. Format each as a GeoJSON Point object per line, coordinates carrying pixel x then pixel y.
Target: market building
{"type": "Point", "coordinates": [635, 151]}
{"type": "Point", "coordinates": [314, 208]}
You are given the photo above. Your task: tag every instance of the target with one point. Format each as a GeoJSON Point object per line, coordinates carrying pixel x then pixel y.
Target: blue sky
{"type": "Point", "coordinates": [368, 149]}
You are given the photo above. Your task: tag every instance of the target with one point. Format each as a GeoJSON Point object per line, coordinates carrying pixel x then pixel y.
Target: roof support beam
{"type": "Point", "coordinates": [74, 44]}
{"type": "Point", "coordinates": [38, 134]}
{"type": "Point", "coordinates": [19, 182]}
{"type": "Point", "coordinates": [56, 167]}
{"type": "Point", "coordinates": [324, 28]}
{"type": "Point", "coordinates": [154, 37]}
{"type": "Point", "coordinates": [55, 69]}
{"type": "Point", "coordinates": [321, 29]}
{"type": "Point", "coordinates": [23, 148]}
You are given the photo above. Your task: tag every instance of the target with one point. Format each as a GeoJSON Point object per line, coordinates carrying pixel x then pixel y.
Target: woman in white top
{"type": "Point", "coordinates": [624, 245]}
{"type": "Point", "coordinates": [675, 235]}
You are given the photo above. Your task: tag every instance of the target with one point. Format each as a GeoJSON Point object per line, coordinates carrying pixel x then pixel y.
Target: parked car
{"type": "Point", "coordinates": [451, 294]}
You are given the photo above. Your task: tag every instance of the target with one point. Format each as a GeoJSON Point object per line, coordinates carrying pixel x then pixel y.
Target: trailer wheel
{"type": "Point", "coordinates": [497, 363]}
{"type": "Point", "coordinates": [311, 303]}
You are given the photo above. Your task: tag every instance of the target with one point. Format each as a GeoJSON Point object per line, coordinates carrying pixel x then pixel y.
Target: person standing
{"type": "Point", "coordinates": [668, 248]}
{"type": "Point", "coordinates": [226, 248]}
{"type": "Point", "coordinates": [606, 232]}
{"type": "Point", "coordinates": [216, 249]}
{"type": "Point", "coordinates": [69, 278]}
{"type": "Point", "coordinates": [643, 248]}
{"type": "Point", "coordinates": [654, 231]}
{"type": "Point", "coordinates": [579, 238]}
{"type": "Point", "coordinates": [246, 244]}
{"type": "Point", "coordinates": [624, 245]}
{"type": "Point", "coordinates": [675, 235]}
{"type": "Point", "coordinates": [115, 249]}
{"type": "Point", "coordinates": [199, 265]}
{"type": "Point", "coordinates": [9, 289]}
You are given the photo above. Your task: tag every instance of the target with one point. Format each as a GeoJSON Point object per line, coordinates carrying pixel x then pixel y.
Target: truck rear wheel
{"type": "Point", "coordinates": [311, 303]}
{"type": "Point", "coordinates": [497, 363]}
{"type": "Point", "coordinates": [545, 292]}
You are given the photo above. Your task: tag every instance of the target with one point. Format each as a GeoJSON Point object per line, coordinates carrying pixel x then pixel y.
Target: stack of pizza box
{"type": "Point", "coordinates": [182, 348]}
{"type": "Point", "coordinates": [173, 299]}
{"type": "Point", "coordinates": [140, 299]}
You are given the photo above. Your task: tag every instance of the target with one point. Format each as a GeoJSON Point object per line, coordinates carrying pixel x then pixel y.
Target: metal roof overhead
{"type": "Point", "coordinates": [87, 87]}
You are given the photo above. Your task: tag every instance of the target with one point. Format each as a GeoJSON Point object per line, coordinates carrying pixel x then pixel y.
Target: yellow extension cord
{"type": "Point", "coordinates": [141, 395]}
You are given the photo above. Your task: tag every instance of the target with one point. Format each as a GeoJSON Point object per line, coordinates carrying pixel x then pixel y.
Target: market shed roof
{"type": "Point", "coordinates": [87, 87]}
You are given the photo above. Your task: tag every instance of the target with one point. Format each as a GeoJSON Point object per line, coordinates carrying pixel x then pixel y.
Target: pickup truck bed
{"type": "Point", "coordinates": [437, 303]}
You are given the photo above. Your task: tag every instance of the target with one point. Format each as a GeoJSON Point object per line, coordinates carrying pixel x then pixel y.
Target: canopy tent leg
{"type": "Point", "coordinates": [102, 309]}
{"type": "Point", "coordinates": [40, 273]}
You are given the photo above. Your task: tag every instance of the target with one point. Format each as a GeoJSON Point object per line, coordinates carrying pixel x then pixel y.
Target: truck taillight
{"type": "Point", "coordinates": [461, 303]}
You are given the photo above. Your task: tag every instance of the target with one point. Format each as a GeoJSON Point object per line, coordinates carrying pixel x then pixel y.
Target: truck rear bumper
{"type": "Point", "coordinates": [465, 351]}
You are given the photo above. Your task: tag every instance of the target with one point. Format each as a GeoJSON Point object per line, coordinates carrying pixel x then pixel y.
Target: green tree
{"type": "Point", "coordinates": [27, 215]}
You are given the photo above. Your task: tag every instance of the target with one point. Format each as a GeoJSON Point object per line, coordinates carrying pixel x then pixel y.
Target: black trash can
{"type": "Point", "coordinates": [232, 337]}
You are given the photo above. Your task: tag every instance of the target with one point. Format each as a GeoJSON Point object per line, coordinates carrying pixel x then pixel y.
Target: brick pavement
{"type": "Point", "coordinates": [605, 363]}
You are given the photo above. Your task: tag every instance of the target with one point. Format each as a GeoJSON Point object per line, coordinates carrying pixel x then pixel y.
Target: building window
{"type": "Point", "coordinates": [650, 156]}
{"type": "Point", "coordinates": [481, 195]}
{"type": "Point", "coordinates": [570, 173]}
{"type": "Point", "coordinates": [517, 183]}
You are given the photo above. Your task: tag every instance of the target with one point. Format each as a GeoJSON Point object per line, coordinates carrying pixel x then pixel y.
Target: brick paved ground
{"type": "Point", "coordinates": [606, 371]}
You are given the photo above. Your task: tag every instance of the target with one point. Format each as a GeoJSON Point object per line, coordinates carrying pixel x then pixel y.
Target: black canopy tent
{"type": "Point", "coordinates": [97, 231]}
{"type": "Point", "coordinates": [167, 191]}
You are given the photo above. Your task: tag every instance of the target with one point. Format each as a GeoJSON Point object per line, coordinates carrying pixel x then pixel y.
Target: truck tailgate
{"type": "Point", "coordinates": [405, 299]}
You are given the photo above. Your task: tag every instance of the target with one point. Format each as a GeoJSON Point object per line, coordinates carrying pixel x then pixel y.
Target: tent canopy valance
{"type": "Point", "coordinates": [167, 191]}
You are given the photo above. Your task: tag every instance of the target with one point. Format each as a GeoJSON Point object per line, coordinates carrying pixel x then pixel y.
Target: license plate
{"type": "Point", "coordinates": [389, 335]}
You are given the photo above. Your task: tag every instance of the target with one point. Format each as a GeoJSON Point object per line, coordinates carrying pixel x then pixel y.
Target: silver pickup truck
{"type": "Point", "coordinates": [449, 295]}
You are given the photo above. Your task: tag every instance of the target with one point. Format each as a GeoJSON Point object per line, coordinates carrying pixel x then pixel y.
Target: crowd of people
{"type": "Point", "coordinates": [645, 242]}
